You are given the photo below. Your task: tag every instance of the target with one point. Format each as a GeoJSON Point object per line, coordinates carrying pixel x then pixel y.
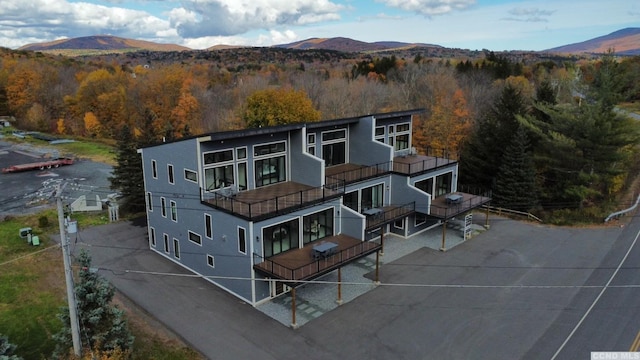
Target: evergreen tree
{"type": "Point", "coordinates": [482, 155]}
{"type": "Point", "coordinates": [515, 182]}
{"type": "Point", "coordinates": [127, 173]}
{"type": "Point", "coordinates": [7, 350]}
{"type": "Point", "coordinates": [102, 325]}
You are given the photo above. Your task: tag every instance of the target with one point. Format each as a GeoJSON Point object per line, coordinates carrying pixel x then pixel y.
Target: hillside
{"type": "Point", "coordinates": [101, 43]}
{"type": "Point", "coordinates": [623, 42]}
{"type": "Point", "coordinates": [350, 45]}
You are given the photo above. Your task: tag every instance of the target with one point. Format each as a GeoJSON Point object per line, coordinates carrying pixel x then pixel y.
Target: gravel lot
{"type": "Point", "coordinates": [31, 191]}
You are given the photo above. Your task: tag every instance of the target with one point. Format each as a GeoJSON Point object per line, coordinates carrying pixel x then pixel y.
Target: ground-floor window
{"type": "Point", "coordinates": [372, 197]}
{"type": "Point", "coordinates": [443, 184]}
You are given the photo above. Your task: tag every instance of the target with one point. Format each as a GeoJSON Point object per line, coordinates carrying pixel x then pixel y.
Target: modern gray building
{"type": "Point", "coordinates": [259, 211]}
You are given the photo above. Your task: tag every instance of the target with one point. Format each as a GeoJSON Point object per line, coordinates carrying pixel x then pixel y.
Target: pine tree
{"type": "Point", "coordinates": [127, 173]}
{"type": "Point", "coordinates": [482, 154]}
{"type": "Point", "coordinates": [515, 182]}
{"type": "Point", "coordinates": [102, 325]}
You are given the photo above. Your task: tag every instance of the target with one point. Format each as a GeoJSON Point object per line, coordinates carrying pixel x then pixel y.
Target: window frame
{"type": "Point", "coordinates": [176, 248]}
{"type": "Point", "coordinates": [149, 201]}
{"type": "Point", "coordinates": [212, 263]}
{"type": "Point", "coordinates": [152, 236]}
{"type": "Point", "coordinates": [173, 206]}
{"type": "Point", "coordinates": [189, 233]}
{"type": "Point", "coordinates": [165, 238]}
{"type": "Point", "coordinates": [189, 171]}
{"type": "Point", "coordinates": [163, 204]}
{"type": "Point", "coordinates": [242, 242]}
{"type": "Point", "coordinates": [171, 176]}
{"type": "Point", "coordinates": [154, 169]}
{"type": "Point", "coordinates": [208, 226]}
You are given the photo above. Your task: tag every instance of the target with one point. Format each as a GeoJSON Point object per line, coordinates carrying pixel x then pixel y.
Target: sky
{"type": "Point", "coordinates": [198, 24]}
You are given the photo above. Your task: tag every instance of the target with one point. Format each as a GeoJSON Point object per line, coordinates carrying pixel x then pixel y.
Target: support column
{"type": "Point", "coordinates": [339, 301]}
{"type": "Point", "coordinates": [444, 235]}
{"type": "Point", "coordinates": [293, 308]}
{"type": "Point", "coordinates": [377, 280]}
{"type": "Point", "coordinates": [486, 219]}
{"type": "Point", "coordinates": [382, 240]}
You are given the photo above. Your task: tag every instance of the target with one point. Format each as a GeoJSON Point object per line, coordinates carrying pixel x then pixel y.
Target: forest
{"type": "Point", "coordinates": [546, 135]}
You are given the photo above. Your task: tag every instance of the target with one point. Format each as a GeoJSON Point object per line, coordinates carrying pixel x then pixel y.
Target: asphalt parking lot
{"type": "Point", "coordinates": [514, 292]}
{"type": "Point", "coordinates": [30, 191]}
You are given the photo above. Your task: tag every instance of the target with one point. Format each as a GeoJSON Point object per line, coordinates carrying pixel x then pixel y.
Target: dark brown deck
{"type": "Point", "coordinates": [299, 264]}
{"type": "Point", "coordinates": [350, 173]}
{"type": "Point", "coordinates": [440, 208]}
{"type": "Point", "coordinates": [418, 164]}
{"type": "Point", "coordinates": [272, 199]}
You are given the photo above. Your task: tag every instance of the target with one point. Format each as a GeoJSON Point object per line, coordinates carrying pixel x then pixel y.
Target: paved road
{"type": "Point", "coordinates": [496, 309]}
{"type": "Point", "coordinates": [601, 319]}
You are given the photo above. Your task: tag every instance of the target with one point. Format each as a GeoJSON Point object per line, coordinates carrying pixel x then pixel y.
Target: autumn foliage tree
{"type": "Point", "coordinates": [279, 106]}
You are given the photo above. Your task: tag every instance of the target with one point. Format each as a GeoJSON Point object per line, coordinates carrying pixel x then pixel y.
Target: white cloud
{"type": "Point", "coordinates": [429, 7]}
{"type": "Point", "coordinates": [45, 20]}
{"type": "Point", "coordinates": [529, 15]}
{"type": "Point", "coordinates": [232, 17]}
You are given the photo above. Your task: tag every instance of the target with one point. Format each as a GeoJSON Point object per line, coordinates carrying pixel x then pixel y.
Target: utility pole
{"type": "Point", "coordinates": [68, 274]}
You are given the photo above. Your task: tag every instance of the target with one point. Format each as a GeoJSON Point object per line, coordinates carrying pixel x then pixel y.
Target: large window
{"type": "Point", "coordinates": [425, 185]}
{"type": "Point", "coordinates": [218, 177]}
{"type": "Point", "coordinates": [270, 163]}
{"type": "Point", "coordinates": [443, 184]}
{"type": "Point", "coordinates": [334, 147]}
{"type": "Point", "coordinates": [280, 238]}
{"type": "Point", "coordinates": [372, 197]}
{"type": "Point", "coordinates": [317, 226]}
{"type": "Point", "coordinates": [350, 200]}
{"type": "Point", "coordinates": [403, 134]}
{"type": "Point", "coordinates": [218, 172]}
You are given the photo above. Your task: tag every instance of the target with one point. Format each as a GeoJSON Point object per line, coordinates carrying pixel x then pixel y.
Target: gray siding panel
{"type": "Point", "coordinates": [363, 149]}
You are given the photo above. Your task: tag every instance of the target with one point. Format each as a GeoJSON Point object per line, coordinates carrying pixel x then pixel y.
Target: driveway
{"type": "Point", "coordinates": [496, 296]}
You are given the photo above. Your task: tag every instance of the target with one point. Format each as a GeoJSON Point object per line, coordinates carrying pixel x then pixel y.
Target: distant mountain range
{"type": "Point", "coordinates": [102, 43]}
{"type": "Point", "coordinates": [623, 42]}
{"type": "Point", "coordinates": [350, 45]}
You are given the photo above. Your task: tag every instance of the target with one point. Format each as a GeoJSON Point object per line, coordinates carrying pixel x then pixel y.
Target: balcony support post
{"type": "Point", "coordinates": [486, 219]}
{"type": "Point", "coordinates": [294, 325]}
{"type": "Point", "coordinates": [377, 280]}
{"type": "Point", "coordinates": [339, 300]}
{"type": "Point", "coordinates": [444, 235]}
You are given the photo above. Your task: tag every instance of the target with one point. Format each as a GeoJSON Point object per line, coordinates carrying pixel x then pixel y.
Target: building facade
{"type": "Point", "coordinates": [259, 211]}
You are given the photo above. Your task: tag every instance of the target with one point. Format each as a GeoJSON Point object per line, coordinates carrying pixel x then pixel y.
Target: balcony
{"type": "Point", "coordinates": [380, 216]}
{"type": "Point", "coordinates": [272, 200]}
{"type": "Point", "coordinates": [350, 173]}
{"type": "Point", "coordinates": [413, 164]}
{"type": "Point", "coordinates": [453, 204]}
{"type": "Point", "coordinates": [300, 264]}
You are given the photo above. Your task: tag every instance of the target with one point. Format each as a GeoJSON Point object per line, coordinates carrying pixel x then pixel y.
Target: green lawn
{"type": "Point", "coordinates": [32, 291]}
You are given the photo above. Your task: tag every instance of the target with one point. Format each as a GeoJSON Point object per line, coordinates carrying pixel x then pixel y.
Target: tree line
{"type": "Point", "coordinates": [561, 110]}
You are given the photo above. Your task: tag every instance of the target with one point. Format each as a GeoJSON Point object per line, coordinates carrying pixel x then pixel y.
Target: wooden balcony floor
{"type": "Point", "coordinates": [299, 264]}
{"type": "Point", "coordinates": [442, 209]}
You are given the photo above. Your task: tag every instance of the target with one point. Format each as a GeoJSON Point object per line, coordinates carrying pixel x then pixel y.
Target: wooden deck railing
{"type": "Point", "coordinates": [361, 173]}
{"type": "Point", "coordinates": [315, 267]}
{"type": "Point", "coordinates": [389, 214]}
{"type": "Point", "coordinates": [256, 210]}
